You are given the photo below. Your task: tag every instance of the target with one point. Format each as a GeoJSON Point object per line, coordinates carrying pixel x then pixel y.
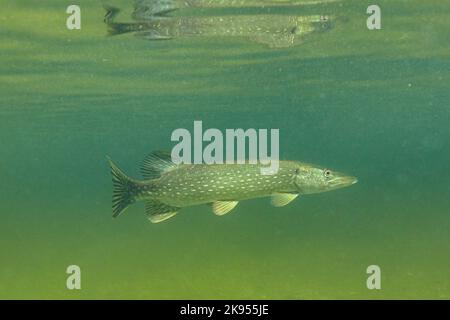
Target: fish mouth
{"type": "Point", "coordinates": [344, 181]}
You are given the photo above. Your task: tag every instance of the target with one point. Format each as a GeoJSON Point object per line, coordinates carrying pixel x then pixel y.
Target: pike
{"type": "Point", "coordinates": [274, 31]}
{"type": "Point", "coordinates": [168, 187]}
{"type": "Point", "coordinates": [143, 9]}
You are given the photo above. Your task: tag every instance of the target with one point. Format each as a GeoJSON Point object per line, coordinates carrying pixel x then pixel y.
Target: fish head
{"type": "Point", "coordinates": [314, 23]}
{"type": "Point", "coordinates": [311, 179]}
{"type": "Point", "coordinates": [323, 23]}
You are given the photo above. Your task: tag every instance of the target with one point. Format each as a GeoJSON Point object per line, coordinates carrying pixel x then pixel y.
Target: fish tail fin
{"type": "Point", "coordinates": [114, 28]}
{"type": "Point", "coordinates": [124, 189]}
{"type": "Point", "coordinates": [111, 13]}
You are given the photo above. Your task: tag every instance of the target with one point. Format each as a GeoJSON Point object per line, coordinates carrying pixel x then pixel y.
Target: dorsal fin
{"type": "Point", "coordinates": [157, 163]}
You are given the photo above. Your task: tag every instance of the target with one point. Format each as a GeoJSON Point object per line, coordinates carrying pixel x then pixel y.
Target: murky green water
{"type": "Point", "coordinates": [374, 104]}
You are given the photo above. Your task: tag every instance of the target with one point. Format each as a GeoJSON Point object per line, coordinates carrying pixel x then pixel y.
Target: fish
{"type": "Point", "coordinates": [144, 9]}
{"type": "Point", "coordinates": [169, 186]}
{"type": "Point", "coordinates": [273, 31]}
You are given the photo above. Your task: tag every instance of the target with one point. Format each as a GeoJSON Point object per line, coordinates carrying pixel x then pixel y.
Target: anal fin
{"type": "Point", "coordinates": [158, 212]}
{"type": "Point", "coordinates": [147, 9]}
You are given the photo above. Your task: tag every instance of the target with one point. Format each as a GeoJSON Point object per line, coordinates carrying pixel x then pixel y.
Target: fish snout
{"type": "Point", "coordinates": [342, 181]}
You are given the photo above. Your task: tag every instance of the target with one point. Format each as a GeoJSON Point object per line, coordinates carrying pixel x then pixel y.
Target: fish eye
{"type": "Point", "coordinates": [295, 30]}
{"type": "Point", "coordinates": [327, 173]}
{"type": "Point", "coordinates": [297, 171]}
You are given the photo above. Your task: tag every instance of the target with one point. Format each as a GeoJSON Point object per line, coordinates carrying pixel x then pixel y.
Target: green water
{"type": "Point", "coordinates": [374, 104]}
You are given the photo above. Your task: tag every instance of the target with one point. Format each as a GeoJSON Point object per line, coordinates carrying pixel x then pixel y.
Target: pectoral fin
{"type": "Point", "coordinates": [223, 207]}
{"type": "Point", "coordinates": [158, 212]}
{"type": "Point", "coordinates": [282, 199]}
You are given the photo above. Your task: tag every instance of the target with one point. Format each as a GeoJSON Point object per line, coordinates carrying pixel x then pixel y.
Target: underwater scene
{"type": "Point", "coordinates": [357, 92]}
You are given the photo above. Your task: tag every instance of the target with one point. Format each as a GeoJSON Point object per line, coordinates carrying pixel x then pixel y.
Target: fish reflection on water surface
{"type": "Point", "coordinates": [274, 31]}
{"type": "Point", "coordinates": [144, 9]}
